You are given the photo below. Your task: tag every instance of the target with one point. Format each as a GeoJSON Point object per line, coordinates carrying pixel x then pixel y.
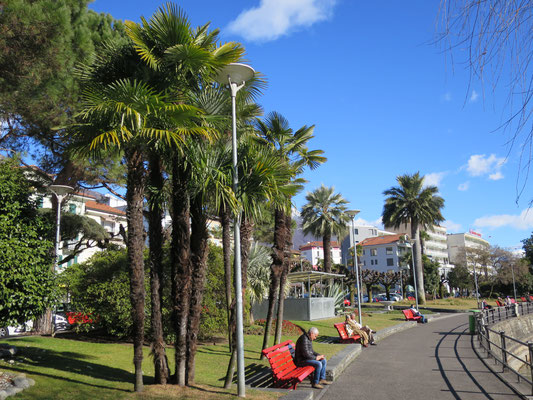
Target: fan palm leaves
{"type": "Point", "coordinates": [412, 203]}
{"type": "Point", "coordinates": [323, 216]}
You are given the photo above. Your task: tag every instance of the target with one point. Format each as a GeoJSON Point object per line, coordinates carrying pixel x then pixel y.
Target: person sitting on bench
{"type": "Point", "coordinates": [305, 355]}
{"type": "Point", "coordinates": [417, 313]}
{"type": "Point", "coordinates": [365, 332]}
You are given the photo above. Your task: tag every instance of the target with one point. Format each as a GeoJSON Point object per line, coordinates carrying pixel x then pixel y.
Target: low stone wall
{"type": "Point", "coordinates": [520, 328]}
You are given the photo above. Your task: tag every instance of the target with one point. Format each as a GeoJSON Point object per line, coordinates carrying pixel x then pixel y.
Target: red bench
{"type": "Point", "coordinates": [285, 373]}
{"type": "Point", "coordinates": [411, 298]}
{"type": "Point", "coordinates": [410, 317]}
{"type": "Point", "coordinates": [523, 299]}
{"type": "Point", "coordinates": [499, 303]}
{"type": "Point", "coordinates": [341, 328]}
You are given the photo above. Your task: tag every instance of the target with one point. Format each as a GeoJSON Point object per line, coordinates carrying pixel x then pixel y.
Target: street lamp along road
{"type": "Point", "coordinates": [60, 191]}
{"type": "Point", "coordinates": [235, 75]}
{"type": "Point", "coordinates": [352, 214]}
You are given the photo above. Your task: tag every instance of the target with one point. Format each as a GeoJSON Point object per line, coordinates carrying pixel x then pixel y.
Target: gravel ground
{"type": "Point", "coordinates": [6, 380]}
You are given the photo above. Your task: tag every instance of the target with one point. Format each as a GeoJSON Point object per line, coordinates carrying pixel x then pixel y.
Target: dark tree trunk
{"type": "Point", "coordinates": [135, 245]}
{"type": "Point", "coordinates": [181, 276]}
{"type": "Point", "coordinates": [326, 242]}
{"type": "Point", "coordinates": [155, 237]}
{"type": "Point", "coordinates": [228, 272]}
{"type": "Point", "coordinates": [278, 257]}
{"type": "Point", "coordinates": [418, 266]}
{"type": "Point", "coordinates": [247, 228]}
{"type": "Point", "coordinates": [283, 278]}
{"type": "Point", "coordinates": [199, 252]}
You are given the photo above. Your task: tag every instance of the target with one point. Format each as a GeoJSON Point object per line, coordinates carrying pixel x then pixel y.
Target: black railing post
{"type": "Point", "coordinates": [504, 350]}
{"type": "Point", "coordinates": [530, 347]}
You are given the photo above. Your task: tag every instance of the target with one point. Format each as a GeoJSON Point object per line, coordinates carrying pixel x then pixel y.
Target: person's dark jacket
{"type": "Point", "coordinates": [304, 350]}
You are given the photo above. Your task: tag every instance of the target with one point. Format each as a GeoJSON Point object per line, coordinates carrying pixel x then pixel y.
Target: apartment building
{"type": "Point", "coordinates": [459, 245]}
{"type": "Point", "coordinates": [435, 246]}
{"type": "Point", "coordinates": [314, 251]}
{"type": "Point", "coordinates": [360, 233]}
{"type": "Point", "coordinates": [383, 253]}
{"type": "Point", "coordinates": [97, 207]}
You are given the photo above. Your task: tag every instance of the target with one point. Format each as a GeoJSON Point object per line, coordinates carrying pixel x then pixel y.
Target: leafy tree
{"type": "Point", "coordinates": [27, 285]}
{"type": "Point", "coordinates": [369, 278]}
{"type": "Point", "coordinates": [291, 149]}
{"type": "Point", "coordinates": [388, 279]}
{"type": "Point", "coordinates": [528, 249]}
{"type": "Point", "coordinates": [324, 215]}
{"type": "Point", "coordinates": [40, 45]}
{"type": "Point", "coordinates": [431, 275]}
{"type": "Point", "coordinates": [412, 203]}
{"type": "Point", "coordinates": [100, 286]}
{"type": "Point", "coordinates": [460, 277]}
{"type": "Point", "coordinates": [258, 273]}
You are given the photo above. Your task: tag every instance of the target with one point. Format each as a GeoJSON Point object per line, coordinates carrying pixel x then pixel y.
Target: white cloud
{"type": "Point", "coordinates": [452, 226]}
{"type": "Point", "coordinates": [523, 221]}
{"type": "Point", "coordinates": [275, 18]}
{"type": "Point", "coordinates": [463, 187]}
{"type": "Point", "coordinates": [474, 96]}
{"type": "Point", "coordinates": [480, 164]}
{"type": "Point", "coordinates": [496, 176]}
{"type": "Point", "coordinates": [378, 223]}
{"type": "Point", "coordinates": [434, 178]}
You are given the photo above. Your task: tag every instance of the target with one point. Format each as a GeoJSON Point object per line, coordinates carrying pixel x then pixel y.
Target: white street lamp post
{"type": "Point", "coordinates": [514, 284]}
{"type": "Point", "coordinates": [60, 191]}
{"type": "Point", "coordinates": [352, 214]}
{"type": "Point", "coordinates": [235, 75]}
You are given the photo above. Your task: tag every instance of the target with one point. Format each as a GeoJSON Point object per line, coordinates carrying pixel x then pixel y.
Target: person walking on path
{"type": "Point", "coordinates": [305, 355]}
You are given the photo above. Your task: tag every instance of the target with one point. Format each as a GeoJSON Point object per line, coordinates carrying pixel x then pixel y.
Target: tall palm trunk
{"type": "Point", "coordinates": [247, 228]}
{"type": "Point", "coordinates": [419, 273]}
{"type": "Point", "coordinates": [326, 242]}
{"type": "Point", "coordinates": [276, 269]}
{"type": "Point", "coordinates": [181, 276]}
{"type": "Point", "coordinates": [226, 251]}
{"type": "Point", "coordinates": [199, 252]}
{"type": "Point", "coordinates": [134, 215]}
{"type": "Point", "coordinates": [155, 236]}
{"type": "Point", "coordinates": [283, 278]}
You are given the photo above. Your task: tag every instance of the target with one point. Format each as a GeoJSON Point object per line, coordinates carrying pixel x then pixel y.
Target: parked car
{"type": "Point", "coordinates": [7, 331]}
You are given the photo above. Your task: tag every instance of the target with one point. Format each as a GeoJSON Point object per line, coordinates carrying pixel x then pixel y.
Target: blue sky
{"type": "Point", "coordinates": [385, 101]}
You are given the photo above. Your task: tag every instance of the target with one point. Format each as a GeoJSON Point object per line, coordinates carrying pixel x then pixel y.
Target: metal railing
{"type": "Point", "coordinates": [497, 344]}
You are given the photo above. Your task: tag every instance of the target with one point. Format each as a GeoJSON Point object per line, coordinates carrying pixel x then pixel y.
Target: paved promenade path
{"type": "Point", "coordinates": [433, 361]}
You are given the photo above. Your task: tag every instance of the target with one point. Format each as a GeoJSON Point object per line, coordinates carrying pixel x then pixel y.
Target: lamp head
{"type": "Point", "coordinates": [61, 190]}
{"type": "Point", "coordinates": [236, 72]}
{"type": "Point", "coordinates": [352, 213]}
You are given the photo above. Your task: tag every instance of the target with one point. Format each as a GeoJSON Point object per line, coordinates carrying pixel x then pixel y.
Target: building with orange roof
{"type": "Point", "coordinates": [383, 253]}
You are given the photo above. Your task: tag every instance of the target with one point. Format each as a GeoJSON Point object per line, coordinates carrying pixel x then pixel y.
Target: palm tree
{"type": "Point", "coordinates": [291, 148]}
{"type": "Point", "coordinates": [324, 216]}
{"type": "Point", "coordinates": [412, 203]}
{"type": "Point", "coordinates": [179, 57]}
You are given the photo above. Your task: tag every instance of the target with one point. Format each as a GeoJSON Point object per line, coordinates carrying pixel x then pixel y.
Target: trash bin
{"type": "Point", "coordinates": [472, 322]}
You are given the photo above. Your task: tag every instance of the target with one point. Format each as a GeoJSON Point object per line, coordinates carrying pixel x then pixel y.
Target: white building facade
{"type": "Point", "coordinates": [314, 251]}
{"type": "Point", "coordinates": [360, 233]}
{"type": "Point", "coordinates": [459, 244]}
{"type": "Point", "coordinates": [383, 253]}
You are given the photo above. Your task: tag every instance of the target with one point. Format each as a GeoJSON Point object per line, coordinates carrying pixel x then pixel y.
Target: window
{"type": "Point", "coordinates": [390, 262]}
{"type": "Point", "coordinates": [363, 251]}
{"type": "Point", "coordinates": [389, 251]}
{"type": "Point", "coordinates": [72, 208]}
{"type": "Point", "coordinates": [373, 252]}
{"type": "Point", "coordinates": [375, 262]}
{"type": "Point", "coordinates": [356, 231]}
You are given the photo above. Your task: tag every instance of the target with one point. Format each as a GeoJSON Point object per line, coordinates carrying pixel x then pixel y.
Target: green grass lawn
{"type": "Point", "coordinates": [451, 303]}
{"type": "Point", "coordinates": [76, 369]}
